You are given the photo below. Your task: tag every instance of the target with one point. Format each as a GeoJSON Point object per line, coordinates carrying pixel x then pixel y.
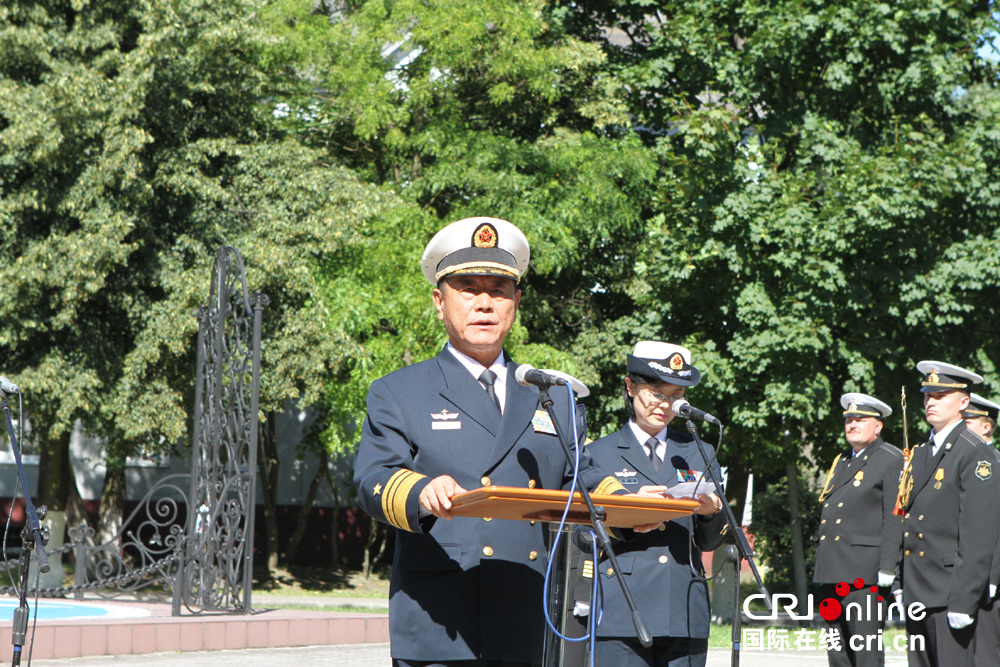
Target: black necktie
{"type": "Point", "coordinates": [488, 377]}
{"type": "Point", "coordinates": [654, 458]}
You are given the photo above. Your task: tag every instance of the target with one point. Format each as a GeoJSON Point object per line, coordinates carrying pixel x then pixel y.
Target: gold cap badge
{"type": "Point", "coordinates": [933, 378]}
{"type": "Point", "coordinates": [676, 361]}
{"type": "Point", "coordinates": [485, 236]}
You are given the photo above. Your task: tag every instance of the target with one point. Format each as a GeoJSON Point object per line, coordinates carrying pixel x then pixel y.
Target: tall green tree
{"type": "Point", "coordinates": [828, 211]}
{"type": "Point", "coordinates": [468, 109]}
{"type": "Point", "coordinates": [803, 193]}
{"type": "Point", "coordinates": [133, 143]}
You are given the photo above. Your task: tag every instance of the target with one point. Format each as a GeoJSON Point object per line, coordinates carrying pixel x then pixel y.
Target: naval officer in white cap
{"type": "Point", "coordinates": [949, 495]}
{"type": "Point", "coordinates": [465, 591]}
{"type": "Point", "coordinates": [663, 567]}
{"type": "Point", "coordinates": [859, 535]}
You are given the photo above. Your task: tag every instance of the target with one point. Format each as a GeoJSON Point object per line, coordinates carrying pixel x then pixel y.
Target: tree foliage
{"type": "Point", "coordinates": [804, 193]}
{"type": "Point", "coordinates": [132, 145]}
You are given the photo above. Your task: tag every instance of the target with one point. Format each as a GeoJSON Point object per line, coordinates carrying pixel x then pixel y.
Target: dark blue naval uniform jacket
{"type": "Point", "coordinates": [657, 565]}
{"type": "Point", "coordinates": [468, 588]}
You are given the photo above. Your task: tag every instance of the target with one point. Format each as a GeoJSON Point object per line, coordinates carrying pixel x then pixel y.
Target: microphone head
{"type": "Point", "coordinates": [678, 403]}
{"type": "Point", "coordinates": [521, 373]}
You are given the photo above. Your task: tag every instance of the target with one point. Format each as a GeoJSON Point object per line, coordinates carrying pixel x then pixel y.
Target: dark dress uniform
{"type": "Point", "coordinates": [663, 568]}
{"type": "Point", "coordinates": [858, 536]}
{"type": "Point", "coordinates": [469, 588]}
{"type": "Point", "coordinates": [950, 532]}
{"type": "Point", "coordinates": [987, 653]}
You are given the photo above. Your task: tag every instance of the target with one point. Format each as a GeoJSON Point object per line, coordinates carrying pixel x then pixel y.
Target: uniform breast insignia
{"type": "Point", "coordinates": [858, 477]}
{"type": "Point", "coordinates": [627, 476]}
{"type": "Point", "coordinates": [939, 475]}
{"type": "Point", "coordinates": [984, 470]}
{"type": "Point", "coordinates": [542, 423]}
{"type": "Point", "coordinates": [445, 421]}
{"type": "Point", "coordinates": [688, 475]}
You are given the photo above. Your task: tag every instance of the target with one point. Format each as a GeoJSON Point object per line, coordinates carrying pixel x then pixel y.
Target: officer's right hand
{"type": "Point", "coordinates": [436, 496]}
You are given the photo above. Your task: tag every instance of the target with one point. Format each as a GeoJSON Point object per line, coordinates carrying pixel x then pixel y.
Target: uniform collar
{"type": "Point", "coordinates": [499, 367]}
{"type": "Point", "coordinates": [642, 436]}
{"type": "Point", "coordinates": [940, 436]}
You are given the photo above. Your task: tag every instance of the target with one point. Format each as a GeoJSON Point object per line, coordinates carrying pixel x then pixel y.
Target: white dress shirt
{"type": "Point", "coordinates": [642, 437]}
{"type": "Point", "coordinates": [476, 368]}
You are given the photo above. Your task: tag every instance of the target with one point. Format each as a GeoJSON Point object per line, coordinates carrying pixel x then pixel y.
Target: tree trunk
{"type": "Point", "coordinates": [55, 477]}
{"type": "Point", "coordinates": [373, 535]}
{"type": "Point", "coordinates": [76, 510]}
{"type": "Point", "coordinates": [55, 473]}
{"type": "Point", "coordinates": [112, 502]}
{"type": "Point", "coordinates": [268, 468]}
{"type": "Point", "coordinates": [386, 535]}
{"type": "Point", "coordinates": [334, 522]}
{"type": "Point", "coordinates": [795, 524]}
{"type": "Point", "coordinates": [302, 521]}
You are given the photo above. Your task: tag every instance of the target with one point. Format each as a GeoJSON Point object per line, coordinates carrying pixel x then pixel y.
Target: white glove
{"type": "Point", "coordinates": [885, 578]}
{"type": "Point", "coordinates": [899, 597]}
{"type": "Point", "coordinates": [993, 591]}
{"type": "Point", "coordinates": [958, 621]}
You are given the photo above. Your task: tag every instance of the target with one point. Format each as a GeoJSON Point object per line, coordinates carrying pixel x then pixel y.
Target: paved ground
{"type": "Point", "coordinates": [377, 655]}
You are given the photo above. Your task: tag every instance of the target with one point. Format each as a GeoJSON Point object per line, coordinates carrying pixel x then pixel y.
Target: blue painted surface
{"type": "Point", "coordinates": [52, 611]}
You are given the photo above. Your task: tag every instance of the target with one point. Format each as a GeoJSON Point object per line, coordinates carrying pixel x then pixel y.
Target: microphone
{"type": "Point", "coordinates": [682, 408]}
{"type": "Point", "coordinates": [527, 376]}
{"type": "Point", "coordinates": [8, 387]}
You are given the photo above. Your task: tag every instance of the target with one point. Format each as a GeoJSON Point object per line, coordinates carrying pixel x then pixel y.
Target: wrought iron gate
{"type": "Point", "coordinates": [208, 563]}
{"type": "Point", "coordinates": [216, 570]}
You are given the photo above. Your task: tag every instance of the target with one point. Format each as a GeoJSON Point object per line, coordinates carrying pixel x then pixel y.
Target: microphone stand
{"type": "Point", "coordinates": [33, 537]}
{"type": "Point", "coordinates": [597, 516]}
{"type": "Point", "coordinates": [742, 545]}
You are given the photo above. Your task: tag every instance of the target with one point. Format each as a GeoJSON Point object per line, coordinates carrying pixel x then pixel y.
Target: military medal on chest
{"type": "Point", "coordinates": [938, 476]}
{"type": "Point", "coordinates": [858, 477]}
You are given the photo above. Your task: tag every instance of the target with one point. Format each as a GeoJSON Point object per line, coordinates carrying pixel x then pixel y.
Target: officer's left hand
{"type": "Point", "coordinates": [709, 504]}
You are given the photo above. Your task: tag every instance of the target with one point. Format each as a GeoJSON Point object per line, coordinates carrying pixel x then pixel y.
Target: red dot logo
{"type": "Point", "coordinates": [842, 589]}
{"type": "Point", "coordinates": [859, 583]}
{"type": "Point", "coordinates": [829, 608]}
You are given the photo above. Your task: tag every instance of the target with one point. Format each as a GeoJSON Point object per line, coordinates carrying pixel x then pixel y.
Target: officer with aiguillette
{"type": "Point", "coordinates": [859, 535]}
{"type": "Point", "coordinates": [950, 495]}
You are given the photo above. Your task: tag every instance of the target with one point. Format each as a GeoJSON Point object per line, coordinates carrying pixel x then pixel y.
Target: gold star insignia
{"type": "Point", "coordinates": [378, 489]}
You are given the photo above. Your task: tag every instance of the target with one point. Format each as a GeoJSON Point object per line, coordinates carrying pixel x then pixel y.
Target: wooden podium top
{"type": "Point", "coordinates": [507, 502]}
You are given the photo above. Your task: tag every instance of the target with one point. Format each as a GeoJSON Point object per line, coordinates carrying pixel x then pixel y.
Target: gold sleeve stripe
{"type": "Point", "coordinates": [394, 497]}
{"type": "Point", "coordinates": [608, 486]}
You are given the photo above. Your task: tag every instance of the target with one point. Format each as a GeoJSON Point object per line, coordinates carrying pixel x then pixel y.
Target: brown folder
{"type": "Point", "coordinates": [507, 502]}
